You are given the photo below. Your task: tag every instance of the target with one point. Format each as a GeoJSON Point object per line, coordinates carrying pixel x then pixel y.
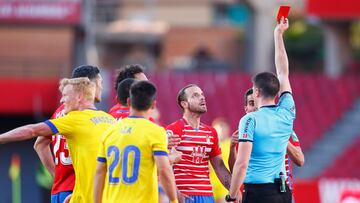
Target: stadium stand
{"type": "Point", "coordinates": [320, 100]}
{"type": "Point", "coordinates": [346, 164]}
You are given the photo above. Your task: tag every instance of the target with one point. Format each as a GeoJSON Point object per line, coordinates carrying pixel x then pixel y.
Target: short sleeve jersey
{"type": "Point", "coordinates": [119, 112]}
{"type": "Point", "coordinates": [198, 146]}
{"type": "Point", "coordinates": [269, 130]}
{"type": "Point", "coordinates": [82, 130]}
{"type": "Point", "coordinates": [128, 149]}
{"type": "Point", "coordinates": [64, 179]}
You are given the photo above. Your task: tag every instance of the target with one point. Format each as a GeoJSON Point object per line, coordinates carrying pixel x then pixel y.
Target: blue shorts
{"type": "Point", "coordinates": [201, 199]}
{"type": "Point", "coordinates": [60, 197]}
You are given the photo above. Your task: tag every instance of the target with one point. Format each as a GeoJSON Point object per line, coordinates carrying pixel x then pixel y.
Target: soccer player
{"type": "Point", "coordinates": [293, 149]}
{"type": "Point", "coordinates": [264, 134]}
{"type": "Point", "coordinates": [60, 167]}
{"type": "Point", "coordinates": [199, 145]}
{"type": "Point", "coordinates": [123, 94]}
{"type": "Point", "coordinates": [82, 126]}
{"type": "Point", "coordinates": [134, 71]}
{"type": "Point", "coordinates": [131, 152]}
{"type": "Point", "coordinates": [222, 128]}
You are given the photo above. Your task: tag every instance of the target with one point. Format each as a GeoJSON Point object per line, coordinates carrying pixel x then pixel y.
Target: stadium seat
{"type": "Point", "coordinates": [320, 100]}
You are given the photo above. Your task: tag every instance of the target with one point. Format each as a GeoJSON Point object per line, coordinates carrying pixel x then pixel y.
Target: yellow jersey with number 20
{"type": "Point", "coordinates": [128, 149]}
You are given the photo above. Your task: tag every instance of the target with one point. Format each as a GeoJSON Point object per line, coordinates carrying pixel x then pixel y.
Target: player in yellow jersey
{"type": "Point", "coordinates": [82, 126]}
{"type": "Point", "coordinates": [223, 130]}
{"type": "Point", "coordinates": [131, 153]}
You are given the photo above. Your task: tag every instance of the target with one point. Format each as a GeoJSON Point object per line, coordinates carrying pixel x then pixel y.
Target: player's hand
{"type": "Point", "coordinates": [173, 140]}
{"type": "Point", "coordinates": [282, 26]}
{"type": "Point", "coordinates": [182, 197]}
{"type": "Point", "coordinates": [174, 156]}
{"type": "Point", "coordinates": [234, 138]}
{"type": "Point", "coordinates": [67, 199]}
{"type": "Point", "coordinates": [239, 197]}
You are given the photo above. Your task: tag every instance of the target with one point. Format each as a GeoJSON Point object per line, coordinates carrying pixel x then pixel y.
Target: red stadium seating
{"type": "Point", "coordinates": [320, 100]}
{"type": "Point", "coordinates": [347, 164]}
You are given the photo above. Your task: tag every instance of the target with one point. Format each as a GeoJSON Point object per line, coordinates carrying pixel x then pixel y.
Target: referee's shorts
{"type": "Point", "coordinates": [265, 193]}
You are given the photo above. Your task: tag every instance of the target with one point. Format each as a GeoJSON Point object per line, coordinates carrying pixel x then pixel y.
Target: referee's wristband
{"type": "Point", "coordinates": [174, 201]}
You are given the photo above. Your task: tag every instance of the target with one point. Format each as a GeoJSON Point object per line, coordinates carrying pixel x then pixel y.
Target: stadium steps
{"type": "Point", "coordinates": [327, 149]}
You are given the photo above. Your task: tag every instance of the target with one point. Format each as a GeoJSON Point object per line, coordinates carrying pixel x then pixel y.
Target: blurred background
{"type": "Point", "coordinates": [217, 44]}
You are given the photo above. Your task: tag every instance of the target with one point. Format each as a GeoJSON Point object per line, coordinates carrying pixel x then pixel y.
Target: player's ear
{"type": "Point", "coordinates": [79, 97]}
{"type": "Point", "coordinates": [128, 102]}
{"type": "Point", "coordinates": [153, 105]}
{"type": "Point", "coordinates": [245, 109]}
{"type": "Point", "coordinates": [256, 92]}
{"type": "Point", "coordinates": [183, 104]}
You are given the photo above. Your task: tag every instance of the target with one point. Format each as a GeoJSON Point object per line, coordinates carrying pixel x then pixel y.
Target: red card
{"type": "Point", "coordinates": [283, 12]}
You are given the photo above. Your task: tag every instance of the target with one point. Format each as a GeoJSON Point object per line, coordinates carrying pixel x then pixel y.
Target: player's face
{"type": "Point", "coordinates": [99, 87]}
{"type": "Point", "coordinates": [250, 104]}
{"type": "Point", "coordinates": [140, 76]}
{"type": "Point", "coordinates": [195, 100]}
{"type": "Point", "coordinates": [70, 99]}
{"type": "Point", "coordinates": [256, 95]}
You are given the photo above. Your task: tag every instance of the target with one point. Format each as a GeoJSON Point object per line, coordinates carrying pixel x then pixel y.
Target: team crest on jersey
{"type": "Point", "coordinates": [198, 154]}
{"type": "Point", "coordinates": [244, 135]}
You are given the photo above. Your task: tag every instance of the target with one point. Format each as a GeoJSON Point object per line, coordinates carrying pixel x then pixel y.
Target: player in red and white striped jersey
{"type": "Point", "coordinates": [64, 178]}
{"type": "Point", "coordinates": [293, 154]}
{"type": "Point", "coordinates": [58, 161]}
{"type": "Point", "coordinates": [199, 145]}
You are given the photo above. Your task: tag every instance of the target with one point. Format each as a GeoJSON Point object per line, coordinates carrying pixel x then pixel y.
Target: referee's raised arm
{"type": "Point", "coordinates": [281, 59]}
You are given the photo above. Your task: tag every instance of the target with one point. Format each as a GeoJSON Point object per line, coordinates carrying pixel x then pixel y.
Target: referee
{"type": "Point", "coordinates": [264, 135]}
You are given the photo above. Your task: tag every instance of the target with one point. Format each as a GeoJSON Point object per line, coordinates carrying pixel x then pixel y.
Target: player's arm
{"type": "Point", "coordinates": [99, 181]}
{"type": "Point", "coordinates": [246, 138]}
{"type": "Point", "coordinates": [281, 59]}
{"type": "Point", "coordinates": [221, 171]}
{"type": "Point", "coordinates": [42, 148]}
{"type": "Point", "coordinates": [232, 154]}
{"type": "Point", "coordinates": [295, 153]}
{"type": "Point", "coordinates": [240, 167]}
{"type": "Point", "coordinates": [26, 132]}
{"type": "Point", "coordinates": [166, 176]}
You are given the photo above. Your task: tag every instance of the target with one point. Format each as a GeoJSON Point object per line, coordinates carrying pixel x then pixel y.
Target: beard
{"type": "Point", "coordinates": [197, 109]}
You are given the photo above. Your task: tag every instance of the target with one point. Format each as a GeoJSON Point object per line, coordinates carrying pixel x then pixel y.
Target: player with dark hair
{"type": "Point", "coordinates": [199, 145]}
{"type": "Point", "coordinates": [264, 134]}
{"type": "Point", "coordinates": [123, 94]}
{"type": "Point", "coordinates": [131, 153]}
{"type": "Point", "coordinates": [133, 71]}
{"type": "Point", "coordinates": [56, 158]}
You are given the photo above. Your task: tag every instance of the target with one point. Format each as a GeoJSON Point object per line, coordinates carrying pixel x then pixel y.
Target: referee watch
{"type": "Point", "coordinates": [228, 198]}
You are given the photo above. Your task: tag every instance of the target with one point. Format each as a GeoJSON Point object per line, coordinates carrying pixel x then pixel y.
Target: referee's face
{"type": "Point", "coordinates": [195, 100]}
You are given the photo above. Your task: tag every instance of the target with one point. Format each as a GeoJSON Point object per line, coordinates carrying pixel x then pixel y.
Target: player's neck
{"type": "Point", "coordinates": [136, 113]}
{"type": "Point", "coordinates": [87, 105]}
{"type": "Point", "coordinates": [193, 119]}
{"type": "Point", "coordinates": [265, 102]}
{"type": "Point", "coordinates": [123, 106]}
